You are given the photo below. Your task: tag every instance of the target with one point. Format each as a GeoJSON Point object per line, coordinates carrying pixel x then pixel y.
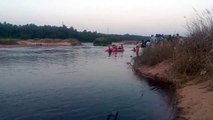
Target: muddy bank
{"type": "Point", "coordinates": [160, 73]}
{"type": "Point", "coordinates": [44, 42]}
{"type": "Point", "coordinates": [194, 99]}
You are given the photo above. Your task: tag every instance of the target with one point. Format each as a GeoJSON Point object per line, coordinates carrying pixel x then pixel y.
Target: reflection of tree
{"type": "Point", "coordinates": [40, 56]}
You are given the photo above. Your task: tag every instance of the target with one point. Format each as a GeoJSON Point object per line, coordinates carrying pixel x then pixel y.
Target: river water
{"type": "Point", "coordinates": [76, 83]}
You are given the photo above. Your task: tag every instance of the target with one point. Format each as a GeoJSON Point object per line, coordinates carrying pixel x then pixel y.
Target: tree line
{"type": "Point", "coordinates": [32, 31]}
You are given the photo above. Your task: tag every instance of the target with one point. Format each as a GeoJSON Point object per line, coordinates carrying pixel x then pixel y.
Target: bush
{"type": "Point", "coordinates": [192, 55]}
{"type": "Point", "coordinates": [102, 41]}
{"type": "Point", "coordinates": [196, 54]}
{"type": "Point", "coordinates": [154, 55]}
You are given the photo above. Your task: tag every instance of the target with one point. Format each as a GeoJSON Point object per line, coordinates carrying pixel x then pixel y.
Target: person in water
{"type": "Point", "coordinates": [137, 50]}
{"type": "Point", "coordinates": [115, 48]}
{"type": "Point", "coordinates": [109, 50]}
{"type": "Point", "coordinates": [133, 49]}
{"type": "Point", "coordinates": [121, 46]}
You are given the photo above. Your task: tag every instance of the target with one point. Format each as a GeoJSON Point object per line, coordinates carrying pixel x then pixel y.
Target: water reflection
{"type": "Point", "coordinates": [166, 90]}
{"type": "Point", "coordinates": [78, 83]}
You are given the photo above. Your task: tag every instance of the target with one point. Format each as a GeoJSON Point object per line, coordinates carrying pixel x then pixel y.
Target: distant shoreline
{"type": "Point", "coordinates": [41, 42]}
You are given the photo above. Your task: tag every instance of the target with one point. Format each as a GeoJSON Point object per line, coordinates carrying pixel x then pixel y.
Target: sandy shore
{"type": "Point", "coordinates": [43, 42]}
{"type": "Point", "coordinates": [194, 100]}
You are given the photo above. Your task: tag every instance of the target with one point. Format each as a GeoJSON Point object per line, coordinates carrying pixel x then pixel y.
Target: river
{"type": "Point", "coordinates": [77, 83]}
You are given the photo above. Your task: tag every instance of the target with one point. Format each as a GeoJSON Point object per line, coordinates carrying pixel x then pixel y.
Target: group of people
{"type": "Point", "coordinates": [115, 48]}
{"type": "Point", "coordinates": [140, 46]}
{"type": "Point", "coordinates": [138, 49]}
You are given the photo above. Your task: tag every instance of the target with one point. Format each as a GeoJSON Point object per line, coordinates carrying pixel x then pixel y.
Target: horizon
{"type": "Point", "coordinates": [135, 17]}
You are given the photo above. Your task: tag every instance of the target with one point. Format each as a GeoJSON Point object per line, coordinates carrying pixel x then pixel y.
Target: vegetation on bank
{"type": "Point", "coordinates": [8, 41]}
{"type": "Point", "coordinates": [32, 31]}
{"type": "Point", "coordinates": [50, 42]}
{"type": "Point", "coordinates": [191, 56]}
{"type": "Point", "coordinates": [40, 42]}
{"type": "Point", "coordinates": [102, 41]}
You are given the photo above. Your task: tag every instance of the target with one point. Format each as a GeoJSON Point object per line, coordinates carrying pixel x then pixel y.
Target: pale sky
{"type": "Point", "coordinates": [141, 17]}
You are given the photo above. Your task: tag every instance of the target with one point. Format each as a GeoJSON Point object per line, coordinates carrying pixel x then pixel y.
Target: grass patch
{"type": "Point", "coordinates": [8, 41]}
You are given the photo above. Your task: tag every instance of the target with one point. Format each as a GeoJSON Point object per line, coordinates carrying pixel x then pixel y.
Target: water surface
{"type": "Point", "coordinates": [76, 83]}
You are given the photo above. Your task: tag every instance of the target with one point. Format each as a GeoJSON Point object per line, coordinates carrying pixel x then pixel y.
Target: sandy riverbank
{"type": "Point", "coordinates": [43, 42]}
{"type": "Point", "coordinates": [194, 99]}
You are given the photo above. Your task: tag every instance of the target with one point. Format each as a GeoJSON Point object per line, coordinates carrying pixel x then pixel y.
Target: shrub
{"type": "Point", "coordinates": [192, 55]}
{"type": "Point", "coordinates": [102, 41]}
{"type": "Point", "coordinates": [196, 54]}
{"type": "Point", "coordinates": [154, 55]}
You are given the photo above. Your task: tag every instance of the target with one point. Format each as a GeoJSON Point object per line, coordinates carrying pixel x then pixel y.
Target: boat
{"type": "Point", "coordinates": [114, 48]}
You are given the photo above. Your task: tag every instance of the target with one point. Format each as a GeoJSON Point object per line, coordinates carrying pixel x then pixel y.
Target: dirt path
{"type": "Point", "coordinates": [195, 102]}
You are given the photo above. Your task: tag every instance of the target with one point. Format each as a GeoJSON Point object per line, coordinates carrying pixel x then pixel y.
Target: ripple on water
{"type": "Point", "coordinates": [76, 83]}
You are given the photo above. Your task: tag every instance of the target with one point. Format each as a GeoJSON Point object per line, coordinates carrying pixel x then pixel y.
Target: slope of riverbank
{"type": "Point", "coordinates": [41, 42]}
{"type": "Point", "coordinates": [194, 99]}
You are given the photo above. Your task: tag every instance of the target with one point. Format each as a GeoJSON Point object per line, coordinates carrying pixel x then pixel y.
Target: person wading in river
{"type": "Point", "coordinates": [137, 50]}
{"type": "Point", "coordinates": [109, 50]}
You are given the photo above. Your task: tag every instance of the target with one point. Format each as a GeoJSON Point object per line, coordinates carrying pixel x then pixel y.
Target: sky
{"type": "Point", "coordinates": [141, 17]}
